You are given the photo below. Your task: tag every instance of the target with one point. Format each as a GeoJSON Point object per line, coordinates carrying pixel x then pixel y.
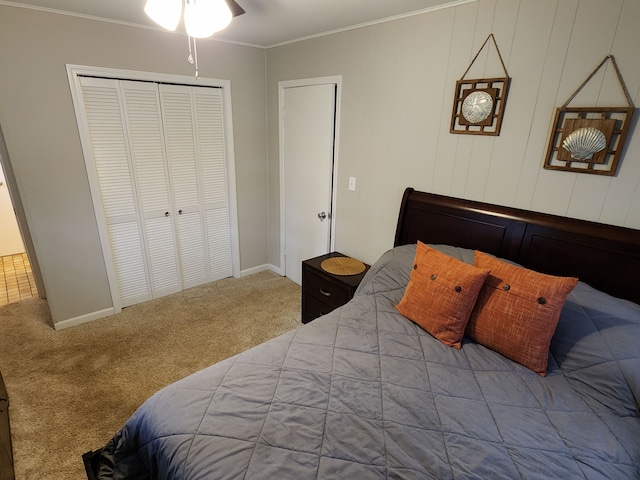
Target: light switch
{"type": "Point", "coordinates": [352, 184]}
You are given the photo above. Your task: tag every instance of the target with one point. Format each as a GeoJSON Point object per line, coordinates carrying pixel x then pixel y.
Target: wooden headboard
{"type": "Point", "coordinates": [604, 256]}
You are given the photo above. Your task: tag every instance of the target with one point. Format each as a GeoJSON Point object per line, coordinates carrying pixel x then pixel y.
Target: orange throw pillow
{"type": "Point", "coordinates": [517, 311]}
{"type": "Point", "coordinates": [441, 293]}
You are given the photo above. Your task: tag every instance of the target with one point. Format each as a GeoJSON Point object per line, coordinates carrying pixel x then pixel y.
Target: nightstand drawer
{"type": "Point", "coordinates": [325, 291]}
{"type": "Point", "coordinates": [314, 308]}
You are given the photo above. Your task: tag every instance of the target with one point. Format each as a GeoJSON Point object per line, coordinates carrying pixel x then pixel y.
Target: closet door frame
{"type": "Point", "coordinates": [74, 73]}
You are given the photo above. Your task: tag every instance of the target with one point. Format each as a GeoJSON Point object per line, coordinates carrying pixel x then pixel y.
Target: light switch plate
{"type": "Point", "coordinates": [352, 184]}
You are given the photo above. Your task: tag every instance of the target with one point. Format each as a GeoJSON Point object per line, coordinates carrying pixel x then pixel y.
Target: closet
{"type": "Point", "coordinates": [158, 164]}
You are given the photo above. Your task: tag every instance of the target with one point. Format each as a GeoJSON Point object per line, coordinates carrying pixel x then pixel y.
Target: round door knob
{"type": "Point", "coordinates": [322, 215]}
{"type": "Point", "coordinates": [166, 214]}
{"type": "Point", "coordinates": [179, 212]}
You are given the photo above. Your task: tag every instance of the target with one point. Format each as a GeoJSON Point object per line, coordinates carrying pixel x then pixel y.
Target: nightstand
{"type": "Point", "coordinates": [322, 291]}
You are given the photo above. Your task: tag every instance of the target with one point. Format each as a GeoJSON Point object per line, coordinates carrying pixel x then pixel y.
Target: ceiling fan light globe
{"type": "Point", "coordinates": [203, 18]}
{"type": "Point", "coordinates": [165, 13]}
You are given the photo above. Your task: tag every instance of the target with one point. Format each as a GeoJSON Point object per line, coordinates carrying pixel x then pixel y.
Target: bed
{"type": "Point", "coordinates": [365, 393]}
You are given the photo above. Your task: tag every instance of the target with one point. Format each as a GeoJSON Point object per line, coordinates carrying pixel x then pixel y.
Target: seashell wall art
{"type": "Point", "coordinates": [478, 104]}
{"type": "Point", "coordinates": [584, 142]}
{"type": "Point", "coordinates": [590, 139]}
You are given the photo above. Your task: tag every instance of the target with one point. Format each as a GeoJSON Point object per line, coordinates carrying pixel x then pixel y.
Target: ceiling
{"type": "Point", "coordinates": [266, 22]}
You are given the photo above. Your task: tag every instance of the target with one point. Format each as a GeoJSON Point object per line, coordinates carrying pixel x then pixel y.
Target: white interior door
{"type": "Point", "coordinates": [308, 131]}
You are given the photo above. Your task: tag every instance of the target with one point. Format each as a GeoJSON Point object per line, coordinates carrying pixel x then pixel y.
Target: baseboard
{"type": "Point", "coordinates": [261, 268]}
{"type": "Point", "coordinates": [88, 317]}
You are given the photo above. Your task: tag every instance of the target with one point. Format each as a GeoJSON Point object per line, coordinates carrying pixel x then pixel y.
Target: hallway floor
{"type": "Point", "coordinates": [16, 279]}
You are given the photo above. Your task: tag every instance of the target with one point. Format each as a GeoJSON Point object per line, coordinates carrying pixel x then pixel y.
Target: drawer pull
{"type": "Point", "coordinates": [325, 293]}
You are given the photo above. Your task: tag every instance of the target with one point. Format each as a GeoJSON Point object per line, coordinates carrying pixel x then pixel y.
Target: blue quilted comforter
{"type": "Point", "coordinates": [363, 393]}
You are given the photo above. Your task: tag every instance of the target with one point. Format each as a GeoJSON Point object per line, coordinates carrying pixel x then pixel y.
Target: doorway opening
{"type": "Point", "coordinates": [16, 275]}
{"type": "Point", "coordinates": [16, 279]}
{"type": "Point", "coordinates": [23, 270]}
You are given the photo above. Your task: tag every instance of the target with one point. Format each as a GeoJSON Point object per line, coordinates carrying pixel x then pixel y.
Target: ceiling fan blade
{"type": "Point", "coordinates": [235, 8]}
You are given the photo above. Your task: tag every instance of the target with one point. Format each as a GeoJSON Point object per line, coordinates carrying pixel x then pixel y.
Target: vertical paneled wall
{"type": "Point", "coordinates": [398, 86]}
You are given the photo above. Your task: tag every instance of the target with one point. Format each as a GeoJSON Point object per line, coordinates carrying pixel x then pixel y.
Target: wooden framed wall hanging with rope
{"type": "Point", "coordinates": [590, 139]}
{"type": "Point", "coordinates": [478, 105]}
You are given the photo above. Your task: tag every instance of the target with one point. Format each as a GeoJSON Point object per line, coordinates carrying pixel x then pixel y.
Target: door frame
{"type": "Point", "coordinates": [74, 73]}
{"type": "Point", "coordinates": [335, 80]}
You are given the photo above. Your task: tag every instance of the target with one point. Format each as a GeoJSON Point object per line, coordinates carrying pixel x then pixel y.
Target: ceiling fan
{"type": "Point", "coordinates": [235, 8]}
{"type": "Point", "coordinates": [202, 18]}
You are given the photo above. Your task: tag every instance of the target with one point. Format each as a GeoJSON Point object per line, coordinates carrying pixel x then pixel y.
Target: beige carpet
{"type": "Point", "coordinates": [70, 390]}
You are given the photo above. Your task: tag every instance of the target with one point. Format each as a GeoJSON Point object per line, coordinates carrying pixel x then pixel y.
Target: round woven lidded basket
{"type": "Point", "coordinates": [342, 266]}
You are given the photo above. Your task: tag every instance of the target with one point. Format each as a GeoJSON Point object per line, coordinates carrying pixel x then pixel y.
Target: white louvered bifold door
{"type": "Point", "coordinates": [112, 167]}
{"type": "Point", "coordinates": [160, 166]}
{"type": "Point", "coordinates": [215, 202]}
{"type": "Point", "coordinates": [144, 121]}
{"type": "Point", "coordinates": [195, 151]}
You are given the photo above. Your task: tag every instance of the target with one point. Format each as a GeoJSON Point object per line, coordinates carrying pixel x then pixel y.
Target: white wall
{"type": "Point", "coordinates": [398, 87]}
{"type": "Point", "coordinates": [41, 134]}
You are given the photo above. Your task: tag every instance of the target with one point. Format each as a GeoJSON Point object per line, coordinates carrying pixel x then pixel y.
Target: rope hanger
{"type": "Point", "coordinates": [481, 48]}
{"type": "Point", "coordinates": [618, 74]}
